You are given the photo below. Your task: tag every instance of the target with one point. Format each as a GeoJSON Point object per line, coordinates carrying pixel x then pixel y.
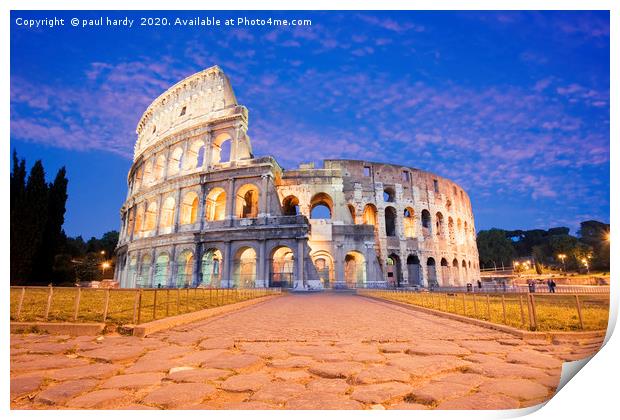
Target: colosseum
{"type": "Point", "coordinates": [203, 211]}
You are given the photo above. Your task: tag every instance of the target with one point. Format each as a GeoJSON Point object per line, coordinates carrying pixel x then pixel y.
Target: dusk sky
{"type": "Point", "coordinates": [513, 106]}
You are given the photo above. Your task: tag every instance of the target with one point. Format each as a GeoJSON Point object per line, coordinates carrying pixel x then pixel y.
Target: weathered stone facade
{"type": "Point", "coordinates": [202, 211]}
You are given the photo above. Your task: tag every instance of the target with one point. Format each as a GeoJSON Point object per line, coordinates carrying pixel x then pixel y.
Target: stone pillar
{"type": "Point", "coordinates": [158, 218]}
{"type": "Point", "coordinates": [230, 200]}
{"type": "Point", "coordinates": [184, 158]}
{"type": "Point", "coordinates": [173, 267]}
{"type": "Point", "coordinates": [423, 272]}
{"type": "Point", "coordinates": [208, 138]}
{"type": "Point", "coordinates": [177, 211]}
{"type": "Point", "coordinates": [226, 272]}
{"type": "Point", "coordinates": [263, 208]}
{"type": "Point", "coordinates": [196, 270]}
{"type": "Point", "coordinates": [152, 269]}
{"type": "Point", "coordinates": [262, 279]}
{"type": "Point", "coordinates": [339, 264]}
{"type": "Point", "coordinates": [301, 283]}
{"type": "Point", "coordinates": [202, 206]}
{"type": "Point", "coordinates": [167, 164]}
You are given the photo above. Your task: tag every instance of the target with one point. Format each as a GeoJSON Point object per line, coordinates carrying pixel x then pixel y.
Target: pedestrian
{"type": "Point", "coordinates": [549, 286]}
{"type": "Point", "coordinates": [504, 286]}
{"type": "Point", "coordinates": [479, 284]}
{"type": "Point", "coordinates": [552, 286]}
{"type": "Point", "coordinates": [532, 286]}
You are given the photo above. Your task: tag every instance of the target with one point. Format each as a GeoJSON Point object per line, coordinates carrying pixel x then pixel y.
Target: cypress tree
{"type": "Point", "coordinates": [18, 190]}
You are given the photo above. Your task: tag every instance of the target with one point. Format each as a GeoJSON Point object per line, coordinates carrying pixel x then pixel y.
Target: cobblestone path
{"type": "Point", "coordinates": [327, 351]}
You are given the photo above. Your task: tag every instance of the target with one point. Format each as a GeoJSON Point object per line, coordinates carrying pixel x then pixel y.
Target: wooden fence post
{"type": "Point", "coordinates": [488, 308]}
{"type": "Point", "coordinates": [49, 303]}
{"type": "Point", "coordinates": [178, 300]}
{"type": "Point", "coordinates": [76, 309]}
{"type": "Point", "coordinates": [521, 307]}
{"type": "Point", "coordinates": [155, 305]}
{"type": "Point", "coordinates": [475, 307]}
{"type": "Point", "coordinates": [504, 309]}
{"type": "Point", "coordinates": [135, 307]}
{"type": "Point", "coordinates": [167, 302]}
{"type": "Point", "coordinates": [106, 304]}
{"type": "Point", "coordinates": [21, 303]}
{"type": "Point", "coordinates": [464, 305]}
{"type": "Point", "coordinates": [446, 295]}
{"type": "Point", "coordinates": [579, 311]}
{"type": "Point", "coordinates": [139, 305]}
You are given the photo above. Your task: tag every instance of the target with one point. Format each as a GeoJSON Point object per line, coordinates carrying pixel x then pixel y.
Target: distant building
{"type": "Point", "coordinates": [203, 211]}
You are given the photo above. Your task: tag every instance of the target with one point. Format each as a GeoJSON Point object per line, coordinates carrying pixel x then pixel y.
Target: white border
{"type": "Point", "coordinates": [592, 395]}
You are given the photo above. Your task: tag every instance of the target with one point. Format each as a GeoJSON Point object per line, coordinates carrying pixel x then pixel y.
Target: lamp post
{"type": "Point", "coordinates": [586, 265]}
{"type": "Point", "coordinates": [562, 257]}
{"type": "Point", "coordinates": [104, 266]}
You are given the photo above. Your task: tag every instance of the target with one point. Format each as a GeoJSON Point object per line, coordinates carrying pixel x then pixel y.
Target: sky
{"type": "Point", "coordinates": [513, 106]}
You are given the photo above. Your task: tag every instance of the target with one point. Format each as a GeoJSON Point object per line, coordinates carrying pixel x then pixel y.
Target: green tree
{"type": "Point", "coordinates": [494, 248]}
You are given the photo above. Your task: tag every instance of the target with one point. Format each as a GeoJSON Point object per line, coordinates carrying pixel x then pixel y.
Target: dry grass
{"type": "Point", "coordinates": [554, 312]}
{"type": "Point", "coordinates": [152, 304]}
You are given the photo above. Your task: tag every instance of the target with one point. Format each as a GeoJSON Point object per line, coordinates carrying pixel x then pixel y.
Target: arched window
{"type": "Point", "coordinates": [459, 231]}
{"type": "Point", "coordinates": [451, 229]}
{"type": "Point", "coordinates": [160, 279]}
{"type": "Point", "coordinates": [212, 268]}
{"type": "Point", "coordinates": [176, 160]}
{"type": "Point", "coordinates": [388, 195]}
{"type": "Point", "coordinates": [220, 152]}
{"type": "Point", "coordinates": [370, 215]}
{"type": "Point", "coordinates": [244, 268]}
{"type": "Point", "coordinates": [409, 223]}
{"type": "Point", "coordinates": [137, 182]}
{"type": "Point", "coordinates": [167, 213]}
{"type": "Point", "coordinates": [431, 272]}
{"type": "Point", "coordinates": [247, 202]}
{"type": "Point", "coordinates": [195, 155]}
{"type": "Point", "coordinates": [354, 269]}
{"type": "Point", "coordinates": [148, 173]}
{"type": "Point", "coordinates": [413, 270]}
{"type": "Point", "coordinates": [158, 169]}
{"type": "Point", "coordinates": [390, 221]}
{"type": "Point", "coordinates": [395, 277]}
{"type": "Point", "coordinates": [426, 220]}
{"type": "Point", "coordinates": [465, 231]}
{"type": "Point", "coordinates": [282, 267]}
{"type": "Point", "coordinates": [130, 281]}
{"type": "Point", "coordinates": [323, 263]}
{"type": "Point", "coordinates": [189, 208]}
{"type": "Point", "coordinates": [216, 205]}
{"type": "Point", "coordinates": [321, 206]}
{"type": "Point", "coordinates": [139, 218]}
{"type": "Point", "coordinates": [290, 206]}
{"type": "Point", "coordinates": [145, 271]}
{"type": "Point", "coordinates": [352, 212]}
{"type": "Point", "coordinates": [439, 223]}
{"type": "Point", "coordinates": [185, 267]}
{"type": "Point", "coordinates": [150, 217]}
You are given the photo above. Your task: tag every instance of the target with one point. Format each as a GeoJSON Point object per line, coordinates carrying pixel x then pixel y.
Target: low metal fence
{"type": "Point", "coordinates": [531, 311]}
{"type": "Point", "coordinates": [120, 306]}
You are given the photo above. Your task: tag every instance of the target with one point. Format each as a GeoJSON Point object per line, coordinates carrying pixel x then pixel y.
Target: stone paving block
{"type": "Point", "coordinates": [533, 358]}
{"type": "Point", "coordinates": [378, 374]}
{"type": "Point", "coordinates": [114, 354]}
{"type": "Point", "coordinates": [245, 382]}
{"type": "Point", "coordinates": [485, 346]}
{"type": "Point", "coordinates": [133, 380]}
{"type": "Point", "coordinates": [93, 370]}
{"type": "Point", "coordinates": [428, 365]}
{"type": "Point", "coordinates": [336, 369]}
{"type": "Point", "coordinates": [503, 370]}
{"type": "Point", "coordinates": [394, 347]}
{"type": "Point", "coordinates": [26, 384]}
{"type": "Point", "coordinates": [522, 389]}
{"type": "Point", "coordinates": [437, 347]}
{"type": "Point", "coordinates": [278, 392]}
{"type": "Point", "coordinates": [199, 357]}
{"type": "Point", "coordinates": [45, 362]}
{"type": "Point", "coordinates": [292, 362]}
{"type": "Point", "coordinates": [248, 405]}
{"type": "Point", "coordinates": [292, 375]}
{"type": "Point", "coordinates": [318, 400]}
{"type": "Point", "coordinates": [106, 398]}
{"type": "Point", "coordinates": [470, 379]}
{"type": "Point", "coordinates": [403, 405]}
{"type": "Point", "coordinates": [50, 348]}
{"type": "Point", "coordinates": [480, 401]}
{"type": "Point", "coordinates": [367, 357]}
{"type": "Point", "coordinates": [332, 386]}
{"type": "Point", "coordinates": [380, 393]}
{"type": "Point", "coordinates": [176, 395]}
{"type": "Point", "coordinates": [217, 343]}
{"type": "Point", "coordinates": [436, 391]}
{"type": "Point", "coordinates": [199, 375]}
{"type": "Point", "coordinates": [233, 361]}
{"type": "Point", "coordinates": [62, 392]}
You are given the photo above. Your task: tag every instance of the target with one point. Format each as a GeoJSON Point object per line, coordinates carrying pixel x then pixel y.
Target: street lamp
{"type": "Point", "coordinates": [104, 267]}
{"type": "Point", "coordinates": [585, 264]}
{"type": "Point", "coordinates": [562, 257]}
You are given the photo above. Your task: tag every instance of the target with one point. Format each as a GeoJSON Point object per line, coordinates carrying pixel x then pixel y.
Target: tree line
{"type": "Point", "coordinates": [498, 247]}
{"type": "Point", "coordinates": [41, 252]}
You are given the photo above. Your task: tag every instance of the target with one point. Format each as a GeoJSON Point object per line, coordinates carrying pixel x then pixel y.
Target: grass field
{"type": "Point", "coordinates": [553, 312]}
{"type": "Point", "coordinates": [125, 306]}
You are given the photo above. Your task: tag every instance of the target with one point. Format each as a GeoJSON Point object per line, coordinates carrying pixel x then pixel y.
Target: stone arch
{"type": "Point", "coordinates": [451, 229]}
{"type": "Point", "coordinates": [459, 230]}
{"type": "Point", "coordinates": [221, 149]}
{"type": "Point", "coordinates": [324, 265]}
{"type": "Point", "coordinates": [369, 216]}
{"type": "Point", "coordinates": [195, 155]}
{"type": "Point", "coordinates": [247, 201]}
{"type": "Point", "coordinates": [431, 272]}
{"type": "Point", "coordinates": [147, 178]}
{"type": "Point", "coordinates": [175, 161]}
{"type": "Point", "coordinates": [132, 271]}
{"type": "Point", "coordinates": [414, 272]}
{"type": "Point", "coordinates": [211, 268]}
{"type": "Point", "coordinates": [455, 271]}
{"type": "Point", "coordinates": [389, 195]}
{"type": "Point", "coordinates": [321, 206]}
{"type": "Point", "coordinates": [409, 222]}
{"type": "Point", "coordinates": [439, 223]}
{"type": "Point", "coordinates": [351, 212]}
{"type": "Point", "coordinates": [138, 178]}
{"type": "Point", "coordinates": [354, 269]}
{"type": "Point", "coordinates": [159, 167]}
{"type": "Point", "coordinates": [446, 279]}
{"type": "Point", "coordinates": [426, 221]}
{"type": "Point", "coordinates": [244, 268]}
{"type": "Point", "coordinates": [162, 264]}
{"type": "Point", "coordinates": [144, 278]}
{"type": "Point", "coordinates": [390, 221]}
{"type": "Point", "coordinates": [167, 214]}
{"type": "Point", "coordinates": [185, 269]}
{"type": "Point", "coordinates": [394, 272]}
{"type": "Point", "coordinates": [282, 267]}
{"type": "Point", "coordinates": [290, 206]}
{"type": "Point", "coordinates": [216, 205]}
{"type": "Point", "coordinates": [465, 231]}
{"type": "Point", "coordinates": [140, 209]}
{"type": "Point", "coordinates": [150, 216]}
{"type": "Point", "coordinates": [189, 208]}
{"type": "Point", "coordinates": [464, 272]}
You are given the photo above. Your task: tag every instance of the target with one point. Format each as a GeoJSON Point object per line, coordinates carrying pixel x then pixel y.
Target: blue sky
{"type": "Point", "coordinates": [514, 106]}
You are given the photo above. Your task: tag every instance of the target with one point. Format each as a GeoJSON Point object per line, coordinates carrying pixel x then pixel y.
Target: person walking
{"type": "Point", "coordinates": [552, 286]}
